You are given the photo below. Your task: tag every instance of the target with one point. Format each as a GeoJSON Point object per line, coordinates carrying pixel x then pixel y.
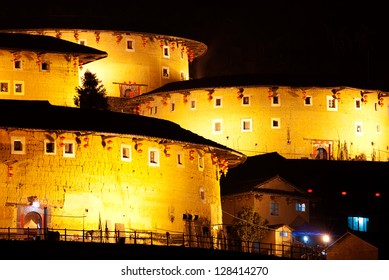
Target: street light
{"type": "Point", "coordinates": [326, 239]}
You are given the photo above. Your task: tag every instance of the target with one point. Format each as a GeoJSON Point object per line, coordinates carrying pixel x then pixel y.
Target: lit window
{"type": "Point", "coordinates": [217, 126]}
{"type": "Point", "coordinates": [50, 147]}
{"type": "Point", "coordinates": [82, 42]}
{"type": "Point", "coordinates": [275, 101]}
{"type": "Point", "coordinates": [4, 87]}
{"type": "Point", "coordinates": [165, 72]}
{"type": "Point", "coordinates": [308, 101]}
{"type": "Point", "coordinates": [246, 125]}
{"type": "Point", "coordinates": [274, 209]}
{"type": "Point", "coordinates": [19, 88]}
{"type": "Point", "coordinates": [300, 207]}
{"type": "Point", "coordinates": [283, 233]}
{"type": "Point", "coordinates": [126, 152]}
{"type": "Point", "coordinates": [246, 100]}
{"type": "Point", "coordinates": [166, 52]}
{"type": "Point", "coordinates": [275, 123]}
{"type": "Point", "coordinates": [218, 102]}
{"type": "Point", "coordinates": [18, 145]}
{"type": "Point", "coordinates": [130, 45]}
{"type": "Point", "coordinates": [153, 157]}
{"type": "Point", "coordinates": [69, 148]}
{"type": "Point", "coordinates": [358, 128]}
{"type": "Point", "coordinates": [358, 223]}
{"type": "Point", "coordinates": [332, 103]}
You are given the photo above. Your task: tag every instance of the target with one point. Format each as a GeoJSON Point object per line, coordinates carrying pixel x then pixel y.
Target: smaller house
{"type": "Point", "coordinates": [351, 246]}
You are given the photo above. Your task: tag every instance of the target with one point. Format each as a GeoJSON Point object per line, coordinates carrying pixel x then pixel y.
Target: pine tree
{"type": "Point", "coordinates": [92, 94]}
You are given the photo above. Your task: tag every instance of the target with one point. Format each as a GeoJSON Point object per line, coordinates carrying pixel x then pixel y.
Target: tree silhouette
{"type": "Point", "coordinates": [249, 225]}
{"type": "Point", "coordinates": [92, 94]}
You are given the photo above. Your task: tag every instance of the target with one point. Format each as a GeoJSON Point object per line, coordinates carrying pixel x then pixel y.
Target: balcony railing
{"type": "Point", "coordinates": [285, 250]}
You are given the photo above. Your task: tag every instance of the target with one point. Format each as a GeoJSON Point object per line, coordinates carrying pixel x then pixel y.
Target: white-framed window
{"type": "Point", "coordinates": [276, 100]}
{"type": "Point", "coordinates": [275, 123]}
{"type": "Point", "coordinates": [332, 103]}
{"type": "Point", "coordinates": [45, 66]}
{"type": "Point", "coordinates": [217, 126]}
{"type": "Point", "coordinates": [358, 128]}
{"type": "Point", "coordinates": [17, 64]}
{"type": "Point", "coordinates": [165, 72]}
{"type": "Point", "coordinates": [180, 159]}
{"type": "Point", "coordinates": [218, 102]}
{"type": "Point", "coordinates": [166, 51]}
{"type": "Point", "coordinates": [4, 87]}
{"type": "Point", "coordinates": [153, 157]}
{"type": "Point", "coordinates": [50, 147]}
{"type": "Point", "coordinates": [18, 145]}
{"type": "Point", "coordinates": [308, 100]}
{"type": "Point", "coordinates": [274, 209]}
{"type": "Point", "coordinates": [125, 154]}
{"type": "Point", "coordinates": [247, 125]}
{"type": "Point", "coordinates": [201, 163]}
{"type": "Point", "coordinates": [300, 207]}
{"type": "Point", "coordinates": [130, 45]}
{"type": "Point", "coordinates": [357, 103]}
{"type": "Point", "coordinates": [69, 148]}
{"type": "Point", "coordinates": [378, 128]}
{"type": "Point", "coordinates": [18, 87]}
{"type": "Point", "coordinates": [82, 42]}
{"type": "Point", "coordinates": [192, 104]}
{"type": "Point", "coordinates": [182, 75]}
{"type": "Point", "coordinates": [246, 100]}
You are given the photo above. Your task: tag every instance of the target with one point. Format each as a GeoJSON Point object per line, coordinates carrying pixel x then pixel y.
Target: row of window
{"type": "Point", "coordinates": [275, 208]}
{"type": "Point", "coordinates": [69, 151]}
{"type": "Point", "coordinates": [332, 104]}
{"type": "Point", "coordinates": [17, 87]}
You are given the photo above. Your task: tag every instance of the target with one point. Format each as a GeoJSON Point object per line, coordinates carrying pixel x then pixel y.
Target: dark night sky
{"type": "Point", "coordinates": [330, 39]}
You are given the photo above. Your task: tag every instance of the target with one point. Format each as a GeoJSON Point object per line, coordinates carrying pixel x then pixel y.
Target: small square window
{"type": "Point", "coordinates": [308, 100]}
{"type": "Point", "coordinates": [45, 66]}
{"type": "Point", "coordinates": [126, 152]}
{"type": "Point", "coordinates": [246, 125]}
{"type": "Point", "coordinates": [69, 148]}
{"type": "Point", "coordinates": [246, 100]}
{"type": "Point", "coordinates": [165, 72]}
{"type": "Point", "coordinates": [332, 104]}
{"type": "Point", "coordinates": [153, 157]}
{"type": "Point", "coordinates": [358, 103]}
{"type": "Point", "coordinates": [17, 64]}
{"type": "Point", "coordinates": [18, 145]}
{"type": "Point", "coordinates": [166, 51]}
{"type": "Point", "coordinates": [275, 101]}
{"type": "Point", "coordinates": [172, 106]}
{"type": "Point", "coordinates": [19, 88]}
{"type": "Point", "coordinates": [82, 42]}
{"type": "Point", "coordinates": [218, 102]}
{"type": "Point", "coordinates": [130, 45]}
{"type": "Point", "coordinates": [358, 128]}
{"type": "Point", "coordinates": [192, 104]}
{"type": "Point", "coordinates": [4, 87]}
{"type": "Point", "coordinates": [217, 127]}
{"type": "Point", "coordinates": [180, 159]}
{"type": "Point", "coordinates": [50, 147]}
{"type": "Point", "coordinates": [275, 123]}
{"type": "Point", "coordinates": [274, 209]}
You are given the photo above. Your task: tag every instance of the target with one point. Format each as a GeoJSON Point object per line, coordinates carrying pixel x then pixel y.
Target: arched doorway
{"type": "Point", "coordinates": [32, 223]}
{"type": "Point", "coordinates": [321, 153]}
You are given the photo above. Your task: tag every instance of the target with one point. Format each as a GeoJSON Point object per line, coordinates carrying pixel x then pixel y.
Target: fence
{"type": "Point", "coordinates": [286, 250]}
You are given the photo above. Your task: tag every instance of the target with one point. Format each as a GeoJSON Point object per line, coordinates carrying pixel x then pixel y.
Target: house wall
{"type": "Point", "coordinates": [98, 184]}
{"type": "Point", "coordinates": [56, 85]}
{"type": "Point", "coordinates": [303, 129]}
{"type": "Point", "coordinates": [142, 65]}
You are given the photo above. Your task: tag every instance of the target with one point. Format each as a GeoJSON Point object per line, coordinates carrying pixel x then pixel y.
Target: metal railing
{"type": "Point", "coordinates": [285, 250]}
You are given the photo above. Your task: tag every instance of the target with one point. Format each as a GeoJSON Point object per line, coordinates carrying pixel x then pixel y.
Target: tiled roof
{"type": "Point", "coordinates": [42, 115]}
{"type": "Point", "coordinates": [265, 80]}
{"type": "Point", "coordinates": [15, 42]}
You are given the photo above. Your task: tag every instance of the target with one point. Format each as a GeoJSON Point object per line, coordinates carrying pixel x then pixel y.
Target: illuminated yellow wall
{"type": "Point", "coordinates": [141, 65]}
{"type": "Point", "coordinates": [132, 193]}
{"type": "Point", "coordinates": [57, 85]}
{"type": "Point", "coordinates": [303, 129]}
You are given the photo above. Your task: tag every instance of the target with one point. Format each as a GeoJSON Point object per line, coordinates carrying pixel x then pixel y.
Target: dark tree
{"type": "Point", "coordinates": [92, 94]}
